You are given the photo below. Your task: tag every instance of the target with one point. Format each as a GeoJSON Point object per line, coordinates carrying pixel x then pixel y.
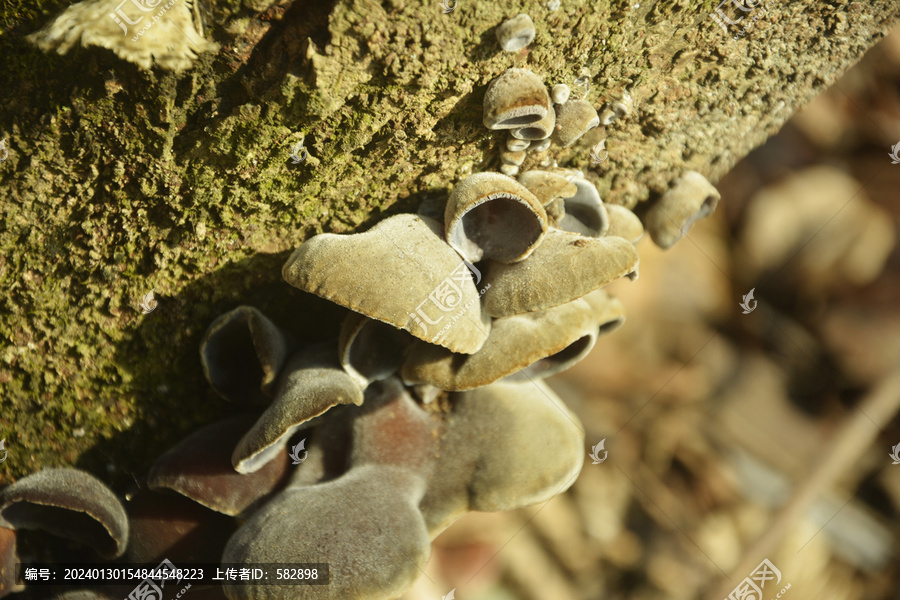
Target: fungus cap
{"type": "Point", "coordinates": [549, 337]}
{"type": "Point", "coordinates": [199, 467]}
{"type": "Point", "coordinates": [242, 352]}
{"type": "Point", "coordinates": [490, 215]}
{"type": "Point", "coordinates": [573, 120]}
{"type": "Point", "coordinates": [516, 33]}
{"type": "Point", "coordinates": [313, 383]}
{"type": "Point", "coordinates": [515, 98]}
{"type": "Point", "coordinates": [68, 503]}
{"type": "Point", "coordinates": [566, 266]}
{"type": "Point", "coordinates": [689, 198]}
{"type": "Point", "coordinates": [401, 272]}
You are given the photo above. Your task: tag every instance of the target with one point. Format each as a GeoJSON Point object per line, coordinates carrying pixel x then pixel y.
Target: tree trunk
{"type": "Point", "coordinates": [120, 180]}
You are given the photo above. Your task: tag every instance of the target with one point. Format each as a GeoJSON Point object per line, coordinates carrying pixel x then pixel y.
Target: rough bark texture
{"type": "Point", "coordinates": [120, 180]}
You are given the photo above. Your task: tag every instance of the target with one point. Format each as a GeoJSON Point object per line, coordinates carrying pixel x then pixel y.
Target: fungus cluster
{"type": "Point", "coordinates": [429, 402]}
{"type": "Point", "coordinates": [422, 407]}
{"type": "Point", "coordinates": [519, 102]}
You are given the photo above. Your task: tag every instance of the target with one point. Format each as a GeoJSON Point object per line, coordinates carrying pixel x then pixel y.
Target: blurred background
{"type": "Point", "coordinates": [722, 427]}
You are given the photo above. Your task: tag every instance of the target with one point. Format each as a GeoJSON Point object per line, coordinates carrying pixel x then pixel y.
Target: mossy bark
{"type": "Point", "coordinates": [120, 180]}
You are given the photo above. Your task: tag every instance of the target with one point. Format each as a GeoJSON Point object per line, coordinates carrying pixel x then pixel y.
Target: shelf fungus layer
{"type": "Point", "coordinates": [401, 272]}
{"type": "Point", "coordinates": [566, 266]}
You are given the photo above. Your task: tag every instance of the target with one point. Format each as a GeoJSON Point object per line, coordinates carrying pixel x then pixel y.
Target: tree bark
{"type": "Point", "coordinates": [121, 180]}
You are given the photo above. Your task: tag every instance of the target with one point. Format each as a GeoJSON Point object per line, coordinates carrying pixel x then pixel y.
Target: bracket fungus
{"type": "Point", "coordinates": [585, 212]}
{"type": "Point", "coordinates": [514, 144]}
{"type": "Point", "coordinates": [515, 98]}
{"type": "Point", "coordinates": [406, 254]}
{"type": "Point", "coordinates": [134, 31]}
{"type": "Point", "coordinates": [516, 158]}
{"type": "Point", "coordinates": [200, 468]}
{"type": "Point", "coordinates": [495, 439]}
{"type": "Point", "coordinates": [538, 130]}
{"type": "Point", "coordinates": [689, 198]}
{"type": "Point", "coordinates": [313, 382]}
{"type": "Point", "coordinates": [565, 267]}
{"type": "Point", "coordinates": [516, 342]}
{"type": "Point", "coordinates": [70, 504]}
{"type": "Point", "coordinates": [574, 118]}
{"type": "Point", "coordinates": [241, 354]}
{"type": "Point", "coordinates": [427, 401]}
{"type": "Point", "coordinates": [390, 437]}
{"type": "Point", "coordinates": [516, 33]}
{"type": "Point", "coordinates": [492, 216]}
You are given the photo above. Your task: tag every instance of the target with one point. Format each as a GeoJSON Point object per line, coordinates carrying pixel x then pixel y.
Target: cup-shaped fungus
{"type": "Point", "coordinates": [547, 186]}
{"type": "Point", "coordinates": [494, 452]}
{"type": "Point", "coordinates": [515, 343]}
{"type": "Point", "coordinates": [392, 455]}
{"type": "Point", "coordinates": [313, 382]}
{"type": "Point", "coordinates": [370, 350]}
{"type": "Point", "coordinates": [490, 215]}
{"type": "Point", "coordinates": [623, 223]}
{"type": "Point", "coordinates": [690, 198]}
{"type": "Point", "coordinates": [515, 158]}
{"type": "Point", "coordinates": [70, 504]}
{"type": "Point", "coordinates": [515, 98]}
{"type": "Point", "coordinates": [538, 130]}
{"type": "Point", "coordinates": [565, 266]}
{"type": "Point", "coordinates": [560, 93]}
{"type": "Point", "coordinates": [514, 144]}
{"type": "Point", "coordinates": [242, 353]}
{"type": "Point", "coordinates": [585, 213]}
{"type": "Point", "coordinates": [344, 523]}
{"type": "Point", "coordinates": [516, 33]}
{"type": "Point", "coordinates": [573, 119]}
{"type": "Point", "coordinates": [199, 467]}
{"type": "Point", "coordinates": [422, 280]}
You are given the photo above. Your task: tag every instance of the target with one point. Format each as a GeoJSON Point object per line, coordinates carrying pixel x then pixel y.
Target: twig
{"type": "Point", "coordinates": [852, 441]}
